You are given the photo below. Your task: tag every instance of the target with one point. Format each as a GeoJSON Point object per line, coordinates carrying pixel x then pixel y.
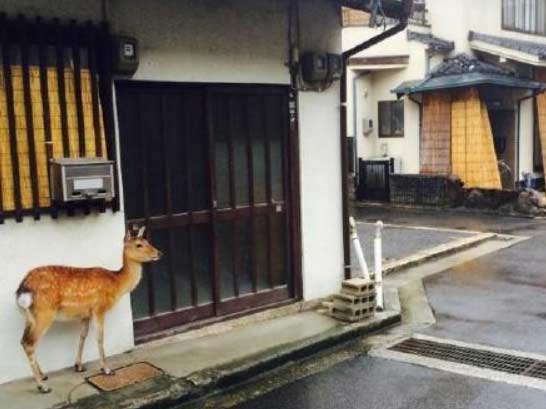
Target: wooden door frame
{"type": "Point", "coordinates": [222, 310]}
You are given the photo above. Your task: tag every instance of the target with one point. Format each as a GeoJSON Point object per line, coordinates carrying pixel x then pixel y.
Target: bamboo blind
{"type": "Point", "coordinates": [435, 146]}
{"type": "Point", "coordinates": [473, 156]}
{"type": "Point", "coordinates": [6, 178]}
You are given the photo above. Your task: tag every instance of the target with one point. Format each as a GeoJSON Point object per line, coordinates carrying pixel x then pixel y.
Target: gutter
{"type": "Point", "coordinates": [405, 12]}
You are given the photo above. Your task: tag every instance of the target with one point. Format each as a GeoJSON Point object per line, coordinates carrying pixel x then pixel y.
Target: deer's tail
{"type": "Point", "coordinates": [25, 299]}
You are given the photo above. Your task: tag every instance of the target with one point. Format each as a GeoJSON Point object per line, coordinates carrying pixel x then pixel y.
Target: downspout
{"type": "Point", "coordinates": [407, 6]}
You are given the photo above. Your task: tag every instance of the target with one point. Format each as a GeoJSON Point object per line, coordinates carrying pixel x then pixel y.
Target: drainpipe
{"type": "Point", "coordinates": [407, 6]}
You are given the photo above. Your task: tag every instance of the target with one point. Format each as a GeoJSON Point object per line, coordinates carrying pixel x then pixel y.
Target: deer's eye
{"type": "Point", "coordinates": [139, 246]}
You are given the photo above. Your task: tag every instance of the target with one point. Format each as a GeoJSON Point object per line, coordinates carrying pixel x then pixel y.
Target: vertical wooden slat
{"type": "Point", "coordinates": [209, 114]}
{"type": "Point", "coordinates": [232, 192]}
{"type": "Point", "coordinates": [236, 255]}
{"type": "Point", "coordinates": [164, 115]}
{"type": "Point", "coordinates": [145, 193]}
{"type": "Point", "coordinates": [59, 45]}
{"type": "Point", "coordinates": [106, 98]}
{"type": "Point", "coordinates": [268, 188]}
{"type": "Point", "coordinates": [42, 34]}
{"type": "Point", "coordinates": [22, 29]}
{"type": "Point", "coordinates": [189, 190]}
{"type": "Point", "coordinates": [76, 58]}
{"type": "Point", "coordinates": [6, 66]}
{"type": "Point", "coordinates": [291, 170]}
{"type": "Point", "coordinates": [251, 199]}
{"type": "Point", "coordinates": [92, 59]}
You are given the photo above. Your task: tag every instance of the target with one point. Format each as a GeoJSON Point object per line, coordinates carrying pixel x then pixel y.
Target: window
{"type": "Point", "coordinates": [391, 119]}
{"type": "Point", "coordinates": [528, 16]}
{"type": "Point", "coordinates": [53, 102]}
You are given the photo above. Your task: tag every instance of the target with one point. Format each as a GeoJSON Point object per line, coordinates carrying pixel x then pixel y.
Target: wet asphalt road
{"type": "Point", "coordinates": [415, 240]}
{"type": "Point", "coordinates": [498, 299]}
{"type": "Point", "coordinates": [370, 383]}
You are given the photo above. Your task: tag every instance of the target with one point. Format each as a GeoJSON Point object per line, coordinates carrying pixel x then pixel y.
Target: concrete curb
{"type": "Point", "coordinates": [167, 391]}
{"type": "Point", "coordinates": [437, 252]}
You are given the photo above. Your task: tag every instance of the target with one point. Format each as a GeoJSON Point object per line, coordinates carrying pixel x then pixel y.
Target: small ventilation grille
{"type": "Point", "coordinates": [511, 364]}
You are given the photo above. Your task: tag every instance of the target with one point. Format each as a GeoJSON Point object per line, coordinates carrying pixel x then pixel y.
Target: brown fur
{"type": "Point", "coordinates": [70, 293]}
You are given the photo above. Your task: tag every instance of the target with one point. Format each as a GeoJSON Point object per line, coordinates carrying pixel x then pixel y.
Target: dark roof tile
{"type": "Point", "coordinates": [528, 47]}
{"type": "Point", "coordinates": [435, 43]}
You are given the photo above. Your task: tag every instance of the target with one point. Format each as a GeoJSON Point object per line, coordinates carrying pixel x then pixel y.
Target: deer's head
{"type": "Point", "coordinates": [137, 248]}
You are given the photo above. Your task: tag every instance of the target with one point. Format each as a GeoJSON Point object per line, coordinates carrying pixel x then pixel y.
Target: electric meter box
{"type": "Point", "coordinates": [77, 179]}
{"type": "Point", "coordinates": [318, 67]}
{"type": "Point", "coordinates": [314, 67]}
{"type": "Point", "coordinates": [125, 55]}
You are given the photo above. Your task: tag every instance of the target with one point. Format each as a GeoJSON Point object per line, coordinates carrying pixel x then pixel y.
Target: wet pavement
{"type": "Point", "coordinates": [498, 299]}
{"type": "Point", "coordinates": [400, 242]}
{"type": "Point", "coordinates": [380, 384]}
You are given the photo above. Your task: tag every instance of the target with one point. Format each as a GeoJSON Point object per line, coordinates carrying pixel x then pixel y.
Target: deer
{"type": "Point", "coordinates": [62, 293]}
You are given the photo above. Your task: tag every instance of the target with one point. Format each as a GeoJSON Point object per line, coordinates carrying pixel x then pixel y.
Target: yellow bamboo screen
{"type": "Point", "coordinates": [6, 176]}
{"type": "Point", "coordinates": [473, 156]}
{"type": "Point", "coordinates": [435, 146]}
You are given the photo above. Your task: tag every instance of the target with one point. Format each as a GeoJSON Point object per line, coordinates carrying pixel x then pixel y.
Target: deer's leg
{"type": "Point", "coordinates": [98, 317]}
{"type": "Point", "coordinates": [78, 367]}
{"type": "Point", "coordinates": [33, 332]}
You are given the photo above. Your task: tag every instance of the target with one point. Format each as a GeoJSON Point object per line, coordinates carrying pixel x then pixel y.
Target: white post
{"type": "Point", "coordinates": [358, 250]}
{"type": "Point", "coordinates": [378, 264]}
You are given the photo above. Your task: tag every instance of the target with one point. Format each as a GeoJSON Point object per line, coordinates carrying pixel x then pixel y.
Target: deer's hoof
{"type": "Point", "coordinates": [79, 368]}
{"type": "Point", "coordinates": [107, 371]}
{"type": "Point", "coordinates": [44, 389]}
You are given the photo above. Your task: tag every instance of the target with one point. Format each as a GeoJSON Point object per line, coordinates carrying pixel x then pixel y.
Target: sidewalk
{"type": "Point", "coordinates": [194, 364]}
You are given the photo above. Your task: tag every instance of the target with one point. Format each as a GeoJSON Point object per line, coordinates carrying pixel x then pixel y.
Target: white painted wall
{"type": "Point", "coordinates": [81, 241]}
{"type": "Point", "coordinates": [208, 41]}
{"type": "Point", "coordinates": [376, 86]}
{"type": "Point", "coordinates": [319, 161]}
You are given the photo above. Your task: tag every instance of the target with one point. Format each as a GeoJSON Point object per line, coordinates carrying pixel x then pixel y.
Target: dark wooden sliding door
{"type": "Point", "coordinates": [207, 169]}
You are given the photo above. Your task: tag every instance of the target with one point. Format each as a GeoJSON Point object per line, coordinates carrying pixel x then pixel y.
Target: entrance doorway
{"type": "Point", "coordinates": [207, 169]}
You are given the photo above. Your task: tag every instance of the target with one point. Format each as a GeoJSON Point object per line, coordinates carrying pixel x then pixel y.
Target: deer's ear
{"type": "Point", "coordinates": [128, 235]}
{"type": "Point", "coordinates": [141, 232]}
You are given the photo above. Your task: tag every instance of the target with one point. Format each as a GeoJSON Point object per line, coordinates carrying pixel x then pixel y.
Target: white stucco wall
{"type": "Point", "coordinates": [375, 86]}
{"type": "Point", "coordinates": [319, 162]}
{"type": "Point", "coordinates": [206, 41]}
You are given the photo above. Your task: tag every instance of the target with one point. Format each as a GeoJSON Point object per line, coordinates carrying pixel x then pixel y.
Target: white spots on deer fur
{"type": "Point", "coordinates": [24, 300]}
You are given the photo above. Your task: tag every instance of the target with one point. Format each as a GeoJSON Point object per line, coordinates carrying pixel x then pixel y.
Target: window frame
{"type": "Point", "coordinates": [536, 31]}
{"type": "Point", "coordinates": [391, 115]}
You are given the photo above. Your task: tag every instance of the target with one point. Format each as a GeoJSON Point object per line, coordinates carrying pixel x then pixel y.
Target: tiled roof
{"type": "Point", "coordinates": [435, 43]}
{"type": "Point", "coordinates": [464, 71]}
{"type": "Point", "coordinates": [465, 64]}
{"type": "Point", "coordinates": [528, 47]}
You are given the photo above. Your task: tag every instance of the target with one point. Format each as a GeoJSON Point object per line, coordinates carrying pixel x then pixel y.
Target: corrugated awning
{"type": "Point", "coordinates": [466, 80]}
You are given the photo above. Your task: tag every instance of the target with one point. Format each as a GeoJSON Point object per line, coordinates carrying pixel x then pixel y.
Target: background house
{"type": "Point", "coordinates": [504, 34]}
{"type": "Point", "coordinates": [189, 131]}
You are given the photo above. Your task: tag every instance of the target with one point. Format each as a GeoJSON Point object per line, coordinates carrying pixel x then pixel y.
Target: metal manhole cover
{"type": "Point", "coordinates": [125, 376]}
{"type": "Point", "coordinates": [496, 361]}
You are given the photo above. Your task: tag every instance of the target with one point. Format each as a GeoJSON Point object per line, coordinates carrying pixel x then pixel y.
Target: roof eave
{"type": "Point", "coordinates": [508, 83]}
